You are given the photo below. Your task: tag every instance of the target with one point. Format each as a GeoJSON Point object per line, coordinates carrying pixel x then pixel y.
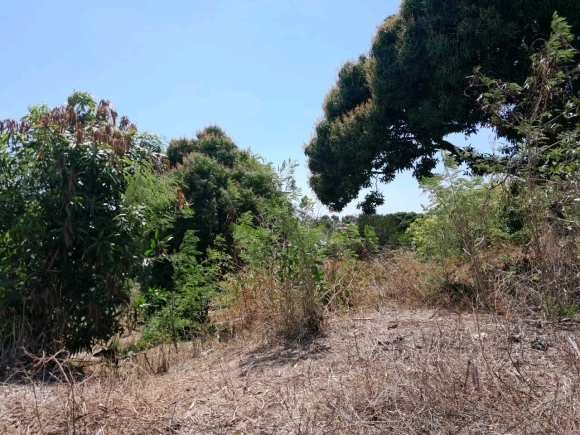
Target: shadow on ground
{"type": "Point", "coordinates": [284, 352]}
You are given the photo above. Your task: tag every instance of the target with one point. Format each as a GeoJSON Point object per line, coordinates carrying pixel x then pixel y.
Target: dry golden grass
{"type": "Point", "coordinates": [395, 370]}
{"type": "Point", "coordinates": [398, 354]}
{"type": "Point", "coordinates": [394, 277]}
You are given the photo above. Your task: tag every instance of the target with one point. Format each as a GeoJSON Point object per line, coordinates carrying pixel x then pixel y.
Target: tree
{"type": "Point", "coordinates": [180, 148]}
{"type": "Point", "coordinates": [543, 109]}
{"type": "Point", "coordinates": [190, 249]}
{"type": "Point", "coordinates": [220, 182]}
{"type": "Point", "coordinates": [65, 240]}
{"type": "Point", "coordinates": [391, 110]}
{"type": "Point", "coordinates": [535, 204]}
{"type": "Point", "coordinates": [388, 228]}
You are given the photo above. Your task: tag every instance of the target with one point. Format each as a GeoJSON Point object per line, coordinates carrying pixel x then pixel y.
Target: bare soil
{"type": "Point", "coordinates": [395, 371]}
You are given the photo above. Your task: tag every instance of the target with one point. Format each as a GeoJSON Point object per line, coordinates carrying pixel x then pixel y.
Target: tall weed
{"type": "Point", "coordinates": [284, 256]}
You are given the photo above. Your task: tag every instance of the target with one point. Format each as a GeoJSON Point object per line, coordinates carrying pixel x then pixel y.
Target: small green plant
{"type": "Point", "coordinates": [569, 310]}
{"type": "Point", "coordinates": [179, 310]}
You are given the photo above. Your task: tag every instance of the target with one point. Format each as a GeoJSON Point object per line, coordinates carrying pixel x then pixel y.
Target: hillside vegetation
{"type": "Point", "coordinates": [191, 288]}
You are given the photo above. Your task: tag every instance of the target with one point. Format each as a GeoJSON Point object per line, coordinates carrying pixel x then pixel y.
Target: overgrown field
{"type": "Point", "coordinates": [193, 289]}
{"type": "Point", "coordinates": [386, 370]}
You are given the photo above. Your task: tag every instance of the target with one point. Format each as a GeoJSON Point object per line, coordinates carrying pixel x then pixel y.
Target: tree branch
{"type": "Point", "coordinates": [448, 146]}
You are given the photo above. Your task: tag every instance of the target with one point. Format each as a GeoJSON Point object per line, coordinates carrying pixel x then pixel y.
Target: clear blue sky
{"type": "Point", "coordinates": [260, 69]}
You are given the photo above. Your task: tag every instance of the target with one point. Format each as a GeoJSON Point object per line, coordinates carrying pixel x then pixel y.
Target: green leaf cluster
{"type": "Point", "coordinates": [543, 109]}
{"type": "Point", "coordinates": [65, 231]}
{"type": "Point", "coordinates": [464, 213]}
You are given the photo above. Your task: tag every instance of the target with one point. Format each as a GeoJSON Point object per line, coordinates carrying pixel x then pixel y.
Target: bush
{"type": "Point", "coordinates": [65, 241]}
{"type": "Point", "coordinates": [389, 228]}
{"type": "Point", "coordinates": [461, 223]}
{"type": "Point", "coordinates": [350, 243]}
{"type": "Point", "coordinates": [283, 259]}
{"type": "Point", "coordinates": [220, 183]}
{"type": "Point", "coordinates": [288, 255]}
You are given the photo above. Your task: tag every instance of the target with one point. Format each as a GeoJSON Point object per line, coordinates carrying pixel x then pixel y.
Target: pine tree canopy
{"type": "Point", "coordinates": [392, 108]}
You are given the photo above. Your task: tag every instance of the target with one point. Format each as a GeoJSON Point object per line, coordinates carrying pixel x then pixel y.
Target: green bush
{"type": "Point", "coordinates": [188, 240]}
{"type": "Point", "coordinates": [176, 306]}
{"type": "Point", "coordinates": [462, 221]}
{"type": "Point", "coordinates": [350, 243]}
{"type": "Point", "coordinates": [220, 182]}
{"type": "Point", "coordinates": [279, 248]}
{"type": "Point", "coordinates": [65, 239]}
{"type": "Point", "coordinates": [389, 228]}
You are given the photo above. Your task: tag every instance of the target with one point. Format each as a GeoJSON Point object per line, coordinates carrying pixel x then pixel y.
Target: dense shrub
{"type": "Point", "coordinates": [192, 247]}
{"type": "Point", "coordinates": [221, 182]}
{"type": "Point", "coordinates": [389, 228]}
{"type": "Point", "coordinates": [65, 240]}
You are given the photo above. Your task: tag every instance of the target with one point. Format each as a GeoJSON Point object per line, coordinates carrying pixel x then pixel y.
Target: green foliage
{"type": "Point", "coordinates": [462, 222]}
{"type": "Point", "coordinates": [276, 244]}
{"type": "Point", "coordinates": [389, 228]}
{"type": "Point", "coordinates": [65, 235]}
{"type": "Point", "coordinates": [464, 213]}
{"type": "Point", "coordinates": [326, 224]}
{"type": "Point", "coordinates": [189, 237]}
{"type": "Point", "coordinates": [391, 110]}
{"type": "Point", "coordinates": [534, 201]}
{"type": "Point", "coordinates": [155, 201]}
{"type": "Point", "coordinates": [350, 219]}
{"type": "Point", "coordinates": [179, 311]}
{"type": "Point", "coordinates": [220, 183]}
{"type": "Point", "coordinates": [180, 148]}
{"type": "Point", "coordinates": [350, 243]}
{"type": "Point", "coordinates": [544, 110]}
{"type": "Point", "coordinates": [351, 90]}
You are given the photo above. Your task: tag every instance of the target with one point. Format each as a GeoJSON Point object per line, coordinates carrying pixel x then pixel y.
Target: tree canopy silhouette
{"type": "Point", "coordinates": [391, 109]}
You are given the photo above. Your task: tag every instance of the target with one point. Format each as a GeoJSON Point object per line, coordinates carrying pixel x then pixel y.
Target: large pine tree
{"type": "Point", "coordinates": [391, 109]}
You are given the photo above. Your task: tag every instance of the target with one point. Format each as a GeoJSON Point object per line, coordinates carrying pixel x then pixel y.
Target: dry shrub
{"type": "Point", "coordinates": [261, 303]}
{"type": "Point", "coordinates": [554, 264]}
{"type": "Point", "coordinates": [256, 299]}
{"type": "Point", "coordinates": [393, 277]}
{"type": "Point", "coordinates": [542, 274]}
{"type": "Point", "coordinates": [408, 280]}
{"type": "Point", "coordinates": [14, 353]}
{"type": "Point", "coordinates": [82, 394]}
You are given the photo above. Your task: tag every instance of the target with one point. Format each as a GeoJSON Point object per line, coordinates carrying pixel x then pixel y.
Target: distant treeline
{"type": "Point", "coordinates": [389, 228]}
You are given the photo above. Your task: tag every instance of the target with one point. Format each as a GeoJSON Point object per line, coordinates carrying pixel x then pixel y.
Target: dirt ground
{"type": "Point", "coordinates": [395, 371]}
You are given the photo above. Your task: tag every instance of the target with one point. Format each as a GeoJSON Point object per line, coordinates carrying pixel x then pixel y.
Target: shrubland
{"type": "Point", "coordinates": [164, 239]}
{"type": "Point", "coordinates": [103, 230]}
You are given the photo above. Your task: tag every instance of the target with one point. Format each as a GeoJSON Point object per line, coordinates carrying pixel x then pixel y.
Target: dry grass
{"type": "Point", "coordinates": [384, 363]}
{"type": "Point", "coordinates": [390, 371]}
{"type": "Point", "coordinates": [395, 277]}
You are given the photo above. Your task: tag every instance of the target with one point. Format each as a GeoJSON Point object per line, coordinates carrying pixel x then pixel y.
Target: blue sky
{"type": "Point", "coordinates": [260, 69]}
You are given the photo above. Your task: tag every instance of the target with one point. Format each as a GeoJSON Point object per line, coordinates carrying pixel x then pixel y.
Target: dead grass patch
{"type": "Point", "coordinates": [394, 370]}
